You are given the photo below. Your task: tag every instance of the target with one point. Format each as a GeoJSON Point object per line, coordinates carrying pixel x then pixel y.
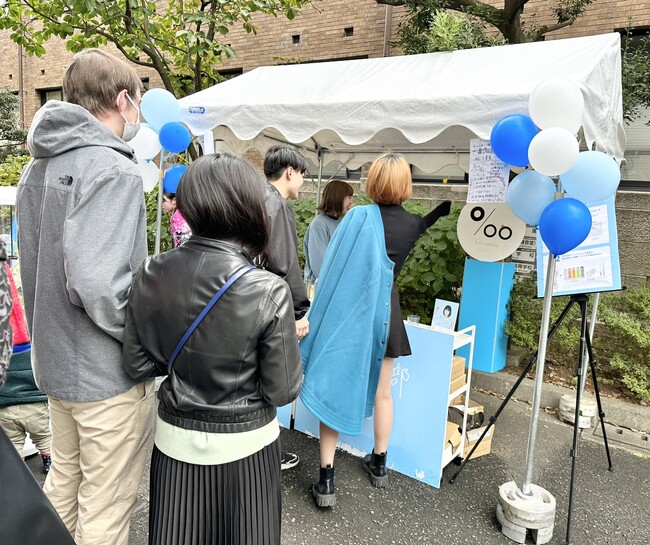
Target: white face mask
{"type": "Point", "coordinates": [130, 129]}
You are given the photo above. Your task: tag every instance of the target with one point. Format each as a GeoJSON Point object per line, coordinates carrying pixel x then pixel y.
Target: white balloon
{"type": "Point", "coordinates": [150, 175]}
{"type": "Point", "coordinates": [146, 144]}
{"type": "Point", "coordinates": [553, 151]}
{"type": "Point", "coordinates": [557, 102]}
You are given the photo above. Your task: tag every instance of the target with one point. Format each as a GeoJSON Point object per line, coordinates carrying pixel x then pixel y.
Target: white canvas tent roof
{"type": "Point", "coordinates": [425, 106]}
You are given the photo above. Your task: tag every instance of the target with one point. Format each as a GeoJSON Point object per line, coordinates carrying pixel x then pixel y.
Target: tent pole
{"type": "Point", "coordinates": [160, 200]}
{"type": "Point", "coordinates": [319, 150]}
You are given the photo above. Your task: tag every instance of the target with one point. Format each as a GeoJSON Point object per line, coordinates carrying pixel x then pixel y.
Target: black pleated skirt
{"type": "Point", "coordinates": [238, 503]}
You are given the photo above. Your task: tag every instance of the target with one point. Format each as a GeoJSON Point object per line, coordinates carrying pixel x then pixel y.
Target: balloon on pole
{"type": "Point", "coordinates": [146, 143]}
{"type": "Point", "coordinates": [510, 138]}
{"type": "Point", "coordinates": [557, 102]}
{"type": "Point", "coordinates": [175, 137]}
{"type": "Point", "coordinates": [529, 194]}
{"type": "Point", "coordinates": [564, 225]}
{"type": "Point", "coordinates": [594, 177]}
{"type": "Point", "coordinates": [553, 151]}
{"type": "Point", "coordinates": [160, 107]}
{"type": "Point", "coordinates": [150, 175]}
{"type": "Point", "coordinates": [172, 177]}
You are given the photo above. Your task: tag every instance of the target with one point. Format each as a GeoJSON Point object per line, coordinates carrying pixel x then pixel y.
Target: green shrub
{"type": "Point", "coordinates": [11, 168]}
{"type": "Point", "coordinates": [627, 316]}
{"type": "Point", "coordinates": [621, 338]}
{"type": "Point", "coordinates": [151, 202]}
{"type": "Point", "coordinates": [434, 268]}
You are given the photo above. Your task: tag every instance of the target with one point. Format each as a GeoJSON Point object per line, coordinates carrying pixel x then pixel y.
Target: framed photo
{"type": "Point", "coordinates": [445, 314]}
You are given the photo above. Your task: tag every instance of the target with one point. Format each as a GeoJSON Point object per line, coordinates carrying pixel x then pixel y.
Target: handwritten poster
{"type": "Point", "coordinates": [488, 175]}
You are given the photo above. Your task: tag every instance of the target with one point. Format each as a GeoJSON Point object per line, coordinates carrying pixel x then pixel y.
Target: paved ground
{"type": "Point", "coordinates": [610, 507]}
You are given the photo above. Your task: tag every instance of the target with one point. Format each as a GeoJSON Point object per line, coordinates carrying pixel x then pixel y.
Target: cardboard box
{"type": "Point", "coordinates": [453, 437]}
{"type": "Point", "coordinates": [457, 383]}
{"type": "Point", "coordinates": [457, 367]}
{"type": "Point", "coordinates": [472, 436]}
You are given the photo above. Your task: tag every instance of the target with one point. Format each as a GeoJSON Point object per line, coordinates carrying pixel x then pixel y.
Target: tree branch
{"type": "Point", "coordinates": [541, 31]}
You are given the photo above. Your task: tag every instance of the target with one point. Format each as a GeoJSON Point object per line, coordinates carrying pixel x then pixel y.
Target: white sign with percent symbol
{"type": "Point", "coordinates": [489, 231]}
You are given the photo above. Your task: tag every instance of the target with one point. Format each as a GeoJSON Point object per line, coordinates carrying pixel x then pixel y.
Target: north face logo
{"type": "Point", "coordinates": [66, 180]}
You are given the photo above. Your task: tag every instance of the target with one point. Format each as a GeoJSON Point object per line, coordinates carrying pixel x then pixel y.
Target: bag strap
{"type": "Point", "coordinates": [207, 309]}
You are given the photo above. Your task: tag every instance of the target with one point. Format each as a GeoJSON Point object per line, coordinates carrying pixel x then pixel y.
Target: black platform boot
{"type": "Point", "coordinates": [375, 466]}
{"type": "Point", "coordinates": [324, 490]}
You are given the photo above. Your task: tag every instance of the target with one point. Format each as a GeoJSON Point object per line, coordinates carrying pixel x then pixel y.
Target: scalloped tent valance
{"type": "Point", "coordinates": [425, 106]}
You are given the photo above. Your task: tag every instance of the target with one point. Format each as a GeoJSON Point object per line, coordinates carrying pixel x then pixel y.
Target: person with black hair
{"type": "Point", "coordinates": [217, 434]}
{"type": "Point", "coordinates": [178, 227]}
{"type": "Point", "coordinates": [284, 168]}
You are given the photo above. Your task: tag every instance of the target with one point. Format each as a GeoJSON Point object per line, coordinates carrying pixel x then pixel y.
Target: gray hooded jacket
{"type": "Point", "coordinates": [82, 235]}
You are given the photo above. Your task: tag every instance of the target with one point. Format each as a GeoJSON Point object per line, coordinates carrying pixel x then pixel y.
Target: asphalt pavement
{"type": "Point", "coordinates": [609, 507]}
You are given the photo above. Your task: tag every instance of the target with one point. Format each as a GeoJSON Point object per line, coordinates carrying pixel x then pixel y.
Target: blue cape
{"type": "Point", "coordinates": [348, 323]}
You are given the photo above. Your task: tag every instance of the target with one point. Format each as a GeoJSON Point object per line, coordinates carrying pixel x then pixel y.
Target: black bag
{"type": "Point", "coordinates": [26, 515]}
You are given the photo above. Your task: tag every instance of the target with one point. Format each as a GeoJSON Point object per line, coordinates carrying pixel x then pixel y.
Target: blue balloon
{"type": "Point", "coordinates": [175, 137]}
{"type": "Point", "coordinates": [564, 225]}
{"type": "Point", "coordinates": [173, 175]}
{"type": "Point", "coordinates": [593, 178]}
{"type": "Point", "coordinates": [529, 194]}
{"type": "Point", "coordinates": [159, 107]}
{"type": "Point", "coordinates": [510, 138]}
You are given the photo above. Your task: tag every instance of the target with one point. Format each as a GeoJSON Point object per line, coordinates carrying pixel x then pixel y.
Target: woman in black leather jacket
{"type": "Point", "coordinates": [215, 469]}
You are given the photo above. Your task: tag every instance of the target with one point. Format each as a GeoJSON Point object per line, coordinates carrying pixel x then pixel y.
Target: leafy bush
{"type": "Point", "coordinates": [151, 202]}
{"type": "Point", "coordinates": [11, 168]}
{"type": "Point", "coordinates": [627, 316]}
{"type": "Point", "coordinates": [434, 268]}
{"type": "Point", "coordinates": [621, 338]}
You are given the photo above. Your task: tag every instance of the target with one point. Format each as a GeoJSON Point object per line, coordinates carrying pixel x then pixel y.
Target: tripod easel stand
{"type": "Point", "coordinates": [531, 507]}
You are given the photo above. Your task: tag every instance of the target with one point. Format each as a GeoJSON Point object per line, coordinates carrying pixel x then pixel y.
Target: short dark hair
{"type": "Point", "coordinates": [222, 197]}
{"type": "Point", "coordinates": [279, 158]}
{"type": "Point", "coordinates": [447, 308]}
{"type": "Point", "coordinates": [333, 195]}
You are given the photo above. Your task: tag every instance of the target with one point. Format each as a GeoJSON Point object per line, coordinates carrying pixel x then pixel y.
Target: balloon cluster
{"type": "Point", "coordinates": [546, 142]}
{"type": "Point", "coordinates": [161, 131]}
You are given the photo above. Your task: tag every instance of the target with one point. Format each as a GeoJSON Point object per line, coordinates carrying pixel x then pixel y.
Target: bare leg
{"type": "Point", "coordinates": [328, 440]}
{"type": "Point", "coordinates": [383, 407]}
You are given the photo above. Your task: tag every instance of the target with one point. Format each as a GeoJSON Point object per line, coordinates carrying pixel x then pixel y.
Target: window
{"type": "Point", "coordinates": [295, 38]}
{"type": "Point", "coordinates": [231, 73]}
{"type": "Point", "coordinates": [50, 94]}
{"type": "Point", "coordinates": [349, 31]}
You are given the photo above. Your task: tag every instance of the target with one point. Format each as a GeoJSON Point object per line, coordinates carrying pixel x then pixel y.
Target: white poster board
{"type": "Point", "coordinates": [488, 175]}
{"type": "Point", "coordinates": [594, 265]}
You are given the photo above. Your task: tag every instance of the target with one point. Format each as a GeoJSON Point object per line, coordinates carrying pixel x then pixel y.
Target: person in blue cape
{"type": "Point", "coordinates": [356, 326]}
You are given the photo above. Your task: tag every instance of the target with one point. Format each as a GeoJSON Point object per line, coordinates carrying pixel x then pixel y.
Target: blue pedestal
{"type": "Point", "coordinates": [420, 390]}
{"type": "Point", "coordinates": [486, 291]}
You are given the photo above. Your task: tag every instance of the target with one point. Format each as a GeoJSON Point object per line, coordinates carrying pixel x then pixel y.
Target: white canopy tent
{"type": "Point", "coordinates": [427, 106]}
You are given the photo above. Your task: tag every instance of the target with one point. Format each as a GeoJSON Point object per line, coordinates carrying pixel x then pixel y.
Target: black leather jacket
{"type": "Point", "coordinates": [243, 359]}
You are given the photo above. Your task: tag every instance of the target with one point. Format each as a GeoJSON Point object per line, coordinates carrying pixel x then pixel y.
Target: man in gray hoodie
{"type": "Point", "coordinates": [82, 234]}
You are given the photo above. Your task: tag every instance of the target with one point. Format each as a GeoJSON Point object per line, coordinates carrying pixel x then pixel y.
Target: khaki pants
{"type": "Point", "coordinates": [99, 451]}
{"type": "Point", "coordinates": [32, 418]}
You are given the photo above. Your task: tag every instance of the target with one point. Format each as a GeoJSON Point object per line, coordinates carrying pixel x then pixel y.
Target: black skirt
{"type": "Point", "coordinates": [238, 503]}
{"type": "Point", "coordinates": [398, 341]}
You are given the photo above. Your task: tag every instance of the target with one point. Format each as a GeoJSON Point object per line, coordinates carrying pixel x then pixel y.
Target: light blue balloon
{"type": "Point", "coordinates": [160, 107]}
{"type": "Point", "coordinates": [564, 225]}
{"type": "Point", "coordinates": [529, 194]}
{"type": "Point", "coordinates": [593, 179]}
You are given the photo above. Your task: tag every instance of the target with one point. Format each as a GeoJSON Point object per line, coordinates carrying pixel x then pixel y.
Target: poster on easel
{"type": "Point", "coordinates": [593, 266]}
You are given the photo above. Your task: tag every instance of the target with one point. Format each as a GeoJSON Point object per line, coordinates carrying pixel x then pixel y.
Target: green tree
{"type": "Point", "coordinates": [183, 40]}
{"type": "Point", "coordinates": [11, 133]}
{"type": "Point", "coordinates": [507, 20]}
